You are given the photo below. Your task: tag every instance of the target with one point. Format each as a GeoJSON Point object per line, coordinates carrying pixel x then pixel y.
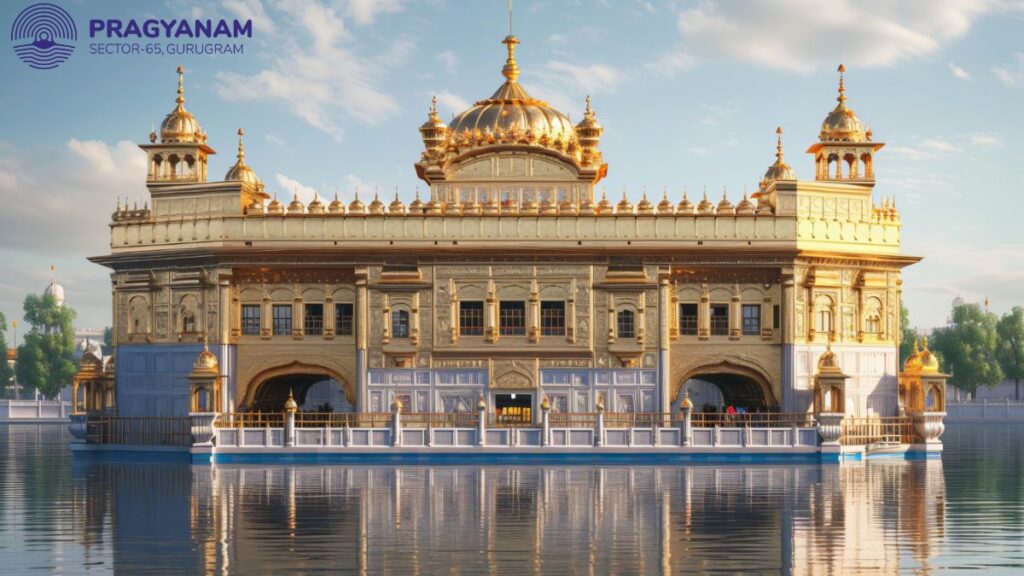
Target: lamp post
{"type": "Point", "coordinates": [14, 325]}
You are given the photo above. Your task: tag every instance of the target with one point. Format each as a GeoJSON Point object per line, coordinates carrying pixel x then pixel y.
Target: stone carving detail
{"type": "Point", "coordinates": [650, 361]}
{"type": "Point", "coordinates": [583, 329]}
{"type": "Point", "coordinates": [514, 379]}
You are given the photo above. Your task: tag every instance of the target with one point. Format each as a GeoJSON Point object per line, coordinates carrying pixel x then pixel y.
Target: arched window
{"type": "Point", "coordinates": [399, 324]}
{"type": "Point", "coordinates": [625, 322]}
{"type": "Point", "coordinates": [873, 316]}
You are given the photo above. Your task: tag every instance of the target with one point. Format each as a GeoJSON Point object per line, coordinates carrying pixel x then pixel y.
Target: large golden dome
{"type": "Point", "coordinates": [180, 126]}
{"type": "Point", "coordinates": [842, 124]}
{"type": "Point", "coordinates": [511, 110]}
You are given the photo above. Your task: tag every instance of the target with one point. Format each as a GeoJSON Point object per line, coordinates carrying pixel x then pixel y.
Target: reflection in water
{"type": "Point", "coordinates": [137, 517]}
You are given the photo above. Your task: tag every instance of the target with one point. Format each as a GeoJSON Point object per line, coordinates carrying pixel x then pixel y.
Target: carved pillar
{"type": "Point", "coordinates": [329, 313]}
{"type": "Point", "coordinates": [453, 311]}
{"type": "Point", "coordinates": [414, 330]}
{"type": "Point", "coordinates": [641, 319]}
{"type": "Point", "coordinates": [788, 307]}
{"type": "Point", "coordinates": [735, 315]}
{"type": "Point", "coordinates": [704, 314]}
{"type": "Point", "coordinates": [386, 319]}
{"type": "Point", "coordinates": [298, 314]}
{"type": "Point", "coordinates": [673, 312]}
{"type": "Point", "coordinates": [664, 332]}
{"type": "Point", "coordinates": [491, 314]}
{"type": "Point", "coordinates": [767, 318]}
{"type": "Point", "coordinates": [570, 314]}
{"type": "Point", "coordinates": [533, 329]}
{"type": "Point", "coordinates": [611, 318]}
{"type": "Point", "coordinates": [227, 386]}
{"type": "Point", "coordinates": [361, 329]}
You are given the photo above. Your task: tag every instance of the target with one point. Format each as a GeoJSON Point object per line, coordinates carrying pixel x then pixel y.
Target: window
{"type": "Point", "coordinates": [471, 318]}
{"type": "Point", "coordinates": [719, 319]}
{"type": "Point", "coordinates": [282, 320]}
{"type": "Point", "coordinates": [512, 318]}
{"type": "Point", "coordinates": [313, 320]}
{"type": "Point", "coordinates": [399, 324]}
{"type": "Point", "coordinates": [626, 324]}
{"type": "Point", "coordinates": [688, 319]}
{"type": "Point", "coordinates": [188, 322]}
{"type": "Point", "coordinates": [776, 316]}
{"type": "Point", "coordinates": [552, 318]}
{"type": "Point", "coordinates": [251, 319]}
{"type": "Point", "coordinates": [873, 325]}
{"type": "Point", "coordinates": [751, 319]}
{"type": "Point", "coordinates": [344, 319]}
{"type": "Point", "coordinates": [824, 321]}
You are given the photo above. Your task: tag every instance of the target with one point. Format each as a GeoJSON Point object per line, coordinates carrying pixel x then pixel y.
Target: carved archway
{"type": "Point", "coordinates": [740, 384]}
{"type": "Point", "coordinates": [270, 387]}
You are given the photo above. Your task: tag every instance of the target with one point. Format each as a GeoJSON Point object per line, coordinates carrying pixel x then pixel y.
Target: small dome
{"type": "Point", "coordinates": [705, 206]}
{"type": "Point", "coordinates": [396, 206]}
{"type": "Point", "coordinates": [624, 205]}
{"type": "Point", "coordinates": [929, 363]}
{"type": "Point", "coordinates": [417, 205]}
{"type": "Point", "coordinates": [275, 207]}
{"type": "Point", "coordinates": [356, 206]}
{"type": "Point", "coordinates": [842, 124]}
{"type": "Point", "coordinates": [665, 206]}
{"type": "Point", "coordinates": [589, 130]}
{"type": "Point", "coordinates": [684, 206]}
{"type": "Point", "coordinates": [316, 206]}
{"type": "Point", "coordinates": [180, 125]}
{"type": "Point", "coordinates": [240, 171]}
{"type": "Point", "coordinates": [376, 206]}
{"type": "Point", "coordinates": [604, 207]}
{"type": "Point", "coordinates": [644, 206]}
{"type": "Point", "coordinates": [296, 206]}
{"type": "Point", "coordinates": [434, 130]}
{"type": "Point", "coordinates": [779, 170]}
{"type": "Point", "coordinates": [54, 289]}
{"type": "Point", "coordinates": [913, 361]}
{"type": "Point", "coordinates": [686, 402]}
{"type": "Point", "coordinates": [745, 207]}
{"type": "Point", "coordinates": [336, 207]}
{"type": "Point", "coordinates": [205, 362]}
{"type": "Point", "coordinates": [724, 206]}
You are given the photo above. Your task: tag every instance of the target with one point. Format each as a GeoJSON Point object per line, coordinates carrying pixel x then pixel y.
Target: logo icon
{"type": "Point", "coordinates": [43, 36]}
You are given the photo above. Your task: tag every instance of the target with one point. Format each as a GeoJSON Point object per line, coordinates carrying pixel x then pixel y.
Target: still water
{"type": "Point", "coordinates": [98, 515]}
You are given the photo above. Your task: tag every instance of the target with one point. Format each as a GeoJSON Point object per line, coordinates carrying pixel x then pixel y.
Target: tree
{"type": "Point", "coordinates": [6, 373]}
{"type": "Point", "coordinates": [46, 358]}
{"type": "Point", "coordinates": [967, 348]}
{"type": "Point", "coordinates": [1010, 350]}
{"type": "Point", "coordinates": [907, 334]}
{"type": "Point", "coordinates": [108, 340]}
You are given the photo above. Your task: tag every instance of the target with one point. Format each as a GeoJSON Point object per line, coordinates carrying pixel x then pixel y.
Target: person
{"type": "Point", "coordinates": [730, 410]}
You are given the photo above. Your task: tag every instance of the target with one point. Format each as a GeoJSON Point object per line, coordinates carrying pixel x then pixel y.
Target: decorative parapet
{"type": "Point", "coordinates": [202, 428]}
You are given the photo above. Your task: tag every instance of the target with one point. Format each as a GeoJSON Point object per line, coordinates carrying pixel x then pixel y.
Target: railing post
{"type": "Point", "coordinates": [396, 422]}
{"type": "Point", "coordinates": [481, 421]}
{"type": "Point", "coordinates": [599, 428]}
{"type": "Point", "coordinates": [290, 408]}
{"type": "Point", "coordinates": [545, 421]}
{"type": "Point", "coordinates": [686, 405]}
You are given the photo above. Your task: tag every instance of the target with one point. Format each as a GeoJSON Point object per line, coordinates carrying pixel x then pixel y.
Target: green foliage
{"type": "Point", "coordinates": [108, 340]}
{"type": "Point", "coordinates": [45, 359]}
{"type": "Point", "coordinates": [907, 334]}
{"type": "Point", "coordinates": [6, 373]}
{"type": "Point", "coordinates": [967, 348]}
{"type": "Point", "coordinates": [1010, 350]}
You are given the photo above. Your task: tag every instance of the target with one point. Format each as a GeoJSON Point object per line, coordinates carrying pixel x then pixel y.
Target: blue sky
{"type": "Point", "coordinates": [331, 94]}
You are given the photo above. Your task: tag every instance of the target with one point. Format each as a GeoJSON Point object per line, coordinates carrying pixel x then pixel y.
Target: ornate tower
{"type": "Point", "coordinates": [844, 151]}
{"type": "Point", "coordinates": [181, 153]}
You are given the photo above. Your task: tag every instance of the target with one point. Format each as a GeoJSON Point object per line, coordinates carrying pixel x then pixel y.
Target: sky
{"type": "Point", "coordinates": [331, 94]}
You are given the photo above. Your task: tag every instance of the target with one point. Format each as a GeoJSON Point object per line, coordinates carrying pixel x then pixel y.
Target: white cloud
{"type": "Point", "coordinates": [365, 11]}
{"type": "Point", "coordinates": [251, 10]}
{"type": "Point", "coordinates": [805, 35]}
{"type": "Point", "coordinates": [292, 187]}
{"type": "Point", "coordinates": [927, 149]}
{"type": "Point", "coordinates": [325, 77]}
{"type": "Point", "coordinates": [984, 140]}
{"type": "Point", "coordinates": [274, 139]}
{"type": "Point", "coordinates": [671, 64]}
{"type": "Point", "coordinates": [1011, 75]}
{"type": "Point", "coordinates": [449, 60]}
{"type": "Point", "coordinates": [959, 72]}
{"type": "Point", "coordinates": [699, 151]}
{"type": "Point", "coordinates": [449, 104]}
{"type": "Point", "coordinates": [565, 86]}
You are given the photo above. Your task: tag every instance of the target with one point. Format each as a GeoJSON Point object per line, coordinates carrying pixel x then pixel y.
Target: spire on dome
{"type": "Point", "coordinates": [181, 88]}
{"type": "Point", "coordinates": [511, 69]}
{"type": "Point", "coordinates": [842, 86]}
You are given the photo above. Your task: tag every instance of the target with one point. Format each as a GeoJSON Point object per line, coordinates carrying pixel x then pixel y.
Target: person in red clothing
{"type": "Point", "coordinates": [730, 410]}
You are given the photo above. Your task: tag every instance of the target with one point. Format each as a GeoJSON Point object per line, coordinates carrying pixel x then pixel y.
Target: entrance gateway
{"type": "Point", "coordinates": [513, 408]}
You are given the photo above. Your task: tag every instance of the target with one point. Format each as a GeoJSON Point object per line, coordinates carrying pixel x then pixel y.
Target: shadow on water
{"type": "Point", "coordinates": [98, 515]}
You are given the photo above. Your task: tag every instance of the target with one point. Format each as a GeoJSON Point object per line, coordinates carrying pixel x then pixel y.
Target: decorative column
{"type": "Point", "coordinates": [226, 401]}
{"type": "Point", "coordinates": [641, 319]}
{"type": "Point", "coordinates": [490, 314]}
{"type": "Point", "coordinates": [414, 330]}
{"type": "Point", "coordinates": [735, 314]}
{"type": "Point", "coordinates": [704, 314]}
{"type": "Point", "coordinates": [361, 330]}
{"type": "Point", "coordinates": [829, 398]}
{"type": "Point", "coordinates": [686, 406]}
{"type": "Point", "coordinates": [570, 314]}
{"type": "Point", "coordinates": [481, 421]}
{"type": "Point", "coordinates": [924, 387]}
{"type": "Point", "coordinates": [454, 311]}
{"type": "Point", "coordinates": [599, 428]}
{"type": "Point", "coordinates": [611, 318]}
{"type": "Point", "coordinates": [664, 338]}
{"type": "Point", "coordinates": [533, 332]}
{"type": "Point", "coordinates": [386, 319]}
{"type": "Point", "coordinates": [290, 408]}
{"type": "Point", "coordinates": [396, 422]}
{"type": "Point", "coordinates": [545, 421]}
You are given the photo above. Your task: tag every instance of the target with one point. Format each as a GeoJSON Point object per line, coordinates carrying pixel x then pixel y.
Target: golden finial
{"type": "Point", "coordinates": [778, 145]}
{"type": "Point", "coordinates": [842, 86]}
{"type": "Point", "coordinates": [241, 146]}
{"type": "Point", "coordinates": [181, 88]}
{"type": "Point", "coordinates": [511, 69]}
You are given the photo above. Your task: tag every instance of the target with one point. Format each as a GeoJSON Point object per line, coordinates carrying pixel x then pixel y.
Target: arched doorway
{"type": "Point", "coordinates": [315, 388]}
{"type": "Point", "coordinates": [713, 388]}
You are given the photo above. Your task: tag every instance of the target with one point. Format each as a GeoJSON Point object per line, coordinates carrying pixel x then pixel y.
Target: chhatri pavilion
{"type": "Point", "coordinates": [513, 287]}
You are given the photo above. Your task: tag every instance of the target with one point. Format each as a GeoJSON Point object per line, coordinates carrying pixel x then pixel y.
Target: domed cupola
{"type": "Point", "coordinates": [180, 126]}
{"type": "Point", "coordinates": [842, 124]}
{"type": "Point", "coordinates": [434, 131]}
{"type": "Point", "coordinates": [54, 289]}
{"type": "Point", "coordinates": [845, 150]}
{"type": "Point", "coordinates": [779, 170]}
{"type": "Point", "coordinates": [589, 131]}
{"type": "Point", "coordinates": [240, 171]}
